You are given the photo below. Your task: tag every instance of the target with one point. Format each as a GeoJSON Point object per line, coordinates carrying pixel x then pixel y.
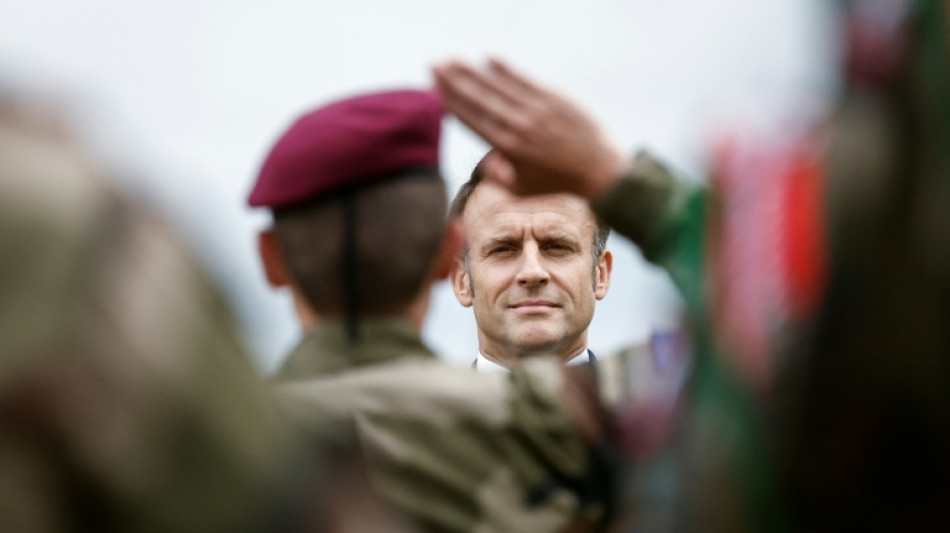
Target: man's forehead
{"type": "Point", "coordinates": [491, 205]}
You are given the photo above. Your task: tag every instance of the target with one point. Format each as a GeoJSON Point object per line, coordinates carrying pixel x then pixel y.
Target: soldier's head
{"type": "Point", "coordinates": [359, 207]}
{"type": "Point", "coordinates": [531, 270]}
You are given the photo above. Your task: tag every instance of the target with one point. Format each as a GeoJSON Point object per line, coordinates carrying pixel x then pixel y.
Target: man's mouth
{"type": "Point", "coordinates": [533, 305]}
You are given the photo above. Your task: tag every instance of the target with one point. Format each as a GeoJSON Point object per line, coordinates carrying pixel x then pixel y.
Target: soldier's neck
{"type": "Point", "coordinates": [414, 314]}
{"type": "Point", "coordinates": [417, 310]}
{"type": "Point", "coordinates": [306, 317]}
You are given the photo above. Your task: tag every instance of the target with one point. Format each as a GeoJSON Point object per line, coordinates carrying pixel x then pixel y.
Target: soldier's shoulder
{"type": "Point", "coordinates": [424, 389]}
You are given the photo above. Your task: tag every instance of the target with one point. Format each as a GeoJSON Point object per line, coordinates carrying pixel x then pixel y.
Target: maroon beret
{"type": "Point", "coordinates": [349, 142]}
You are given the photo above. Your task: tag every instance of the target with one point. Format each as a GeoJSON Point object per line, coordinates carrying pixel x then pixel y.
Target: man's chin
{"type": "Point", "coordinates": [537, 342]}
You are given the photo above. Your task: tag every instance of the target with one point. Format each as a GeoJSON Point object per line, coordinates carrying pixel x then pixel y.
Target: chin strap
{"type": "Point", "coordinates": [349, 270]}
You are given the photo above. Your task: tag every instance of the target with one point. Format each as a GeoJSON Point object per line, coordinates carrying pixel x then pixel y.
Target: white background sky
{"type": "Point", "coordinates": [184, 98]}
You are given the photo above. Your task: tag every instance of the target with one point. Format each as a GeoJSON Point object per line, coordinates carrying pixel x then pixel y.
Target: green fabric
{"type": "Point", "coordinates": [665, 218]}
{"type": "Point", "coordinates": [935, 40]}
{"type": "Point", "coordinates": [724, 481]}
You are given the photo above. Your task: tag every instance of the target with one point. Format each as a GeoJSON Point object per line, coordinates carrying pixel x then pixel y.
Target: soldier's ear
{"type": "Point", "coordinates": [451, 244]}
{"type": "Point", "coordinates": [605, 265]}
{"type": "Point", "coordinates": [271, 259]}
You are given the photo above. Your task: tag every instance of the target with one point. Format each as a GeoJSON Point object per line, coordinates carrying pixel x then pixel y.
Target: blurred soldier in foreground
{"type": "Point", "coordinates": [864, 401]}
{"type": "Point", "coordinates": [853, 431]}
{"type": "Point", "coordinates": [360, 237]}
{"type": "Point", "coordinates": [126, 402]}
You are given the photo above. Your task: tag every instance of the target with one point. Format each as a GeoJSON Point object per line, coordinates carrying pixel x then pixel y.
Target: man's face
{"type": "Point", "coordinates": [532, 279]}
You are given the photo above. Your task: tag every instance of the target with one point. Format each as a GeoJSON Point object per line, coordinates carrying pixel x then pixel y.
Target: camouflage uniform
{"type": "Point", "coordinates": [126, 402]}
{"type": "Point", "coordinates": [453, 450]}
{"type": "Point", "coordinates": [721, 478]}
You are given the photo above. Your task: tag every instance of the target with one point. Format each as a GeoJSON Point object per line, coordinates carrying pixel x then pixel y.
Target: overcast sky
{"type": "Point", "coordinates": [184, 98]}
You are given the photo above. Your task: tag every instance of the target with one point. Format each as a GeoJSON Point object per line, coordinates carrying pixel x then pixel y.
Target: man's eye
{"type": "Point", "coordinates": [501, 249]}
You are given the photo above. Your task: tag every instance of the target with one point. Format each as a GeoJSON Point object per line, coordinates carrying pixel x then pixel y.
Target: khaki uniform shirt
{"type": "Point", "coordinates": [451, 449]}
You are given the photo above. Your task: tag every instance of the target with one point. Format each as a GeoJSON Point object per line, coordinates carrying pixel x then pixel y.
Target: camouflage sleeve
{"type": "Point", "coordinates": [665, 217]}
{"type": "Point", "coordinates": [722, 473]}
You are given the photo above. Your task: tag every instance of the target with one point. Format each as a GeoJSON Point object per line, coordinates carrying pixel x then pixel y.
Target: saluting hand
{"type": "Point", "coordinates": [544, 142]}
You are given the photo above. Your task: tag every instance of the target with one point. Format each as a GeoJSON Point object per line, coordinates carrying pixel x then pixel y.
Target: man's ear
{"type": "Point", "coordinates": [271, 259]}
{"type": "Point", "coordinates": [460, 283]}
{"type": "Point", "coordinates": [605, 265]}
{"type": "Point", "coordinates": [455, 271]}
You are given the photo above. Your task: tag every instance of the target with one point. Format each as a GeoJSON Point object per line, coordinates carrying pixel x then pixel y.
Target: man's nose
{"type": "Point", "coordinates": [532, 271]}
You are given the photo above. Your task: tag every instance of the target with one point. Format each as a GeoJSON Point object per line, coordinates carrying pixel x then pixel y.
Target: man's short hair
{"type": "Point", "coordinates": [465, 192]}
{"type": "Point", "coordinates": [399, 223]}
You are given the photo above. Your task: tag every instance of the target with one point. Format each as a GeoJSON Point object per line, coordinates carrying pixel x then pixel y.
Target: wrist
{"type": "Point", "coordinates": [605, 176]}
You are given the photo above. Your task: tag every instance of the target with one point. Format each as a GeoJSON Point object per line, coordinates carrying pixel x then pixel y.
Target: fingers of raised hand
{"type": "Point", "coordinates": [518, 84]}
{"type": "Point", "coordinates": [472, 99]}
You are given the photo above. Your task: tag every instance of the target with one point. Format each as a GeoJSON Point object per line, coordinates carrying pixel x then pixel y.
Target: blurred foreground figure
{"type": "Point", "coordinates": [360, 237]}
{"type": "Point", "coordinates": [847, 425]}
{"type": "Point", "coordinates": [864, 401]}
{"type": "Point", "coordinates": [126, 402]}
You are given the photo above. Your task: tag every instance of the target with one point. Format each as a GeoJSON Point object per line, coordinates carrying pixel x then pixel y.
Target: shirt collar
{"type": "Point", "coordinates": [326, 349]}
{"type": "Point", "coordinates": [484, 364]}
